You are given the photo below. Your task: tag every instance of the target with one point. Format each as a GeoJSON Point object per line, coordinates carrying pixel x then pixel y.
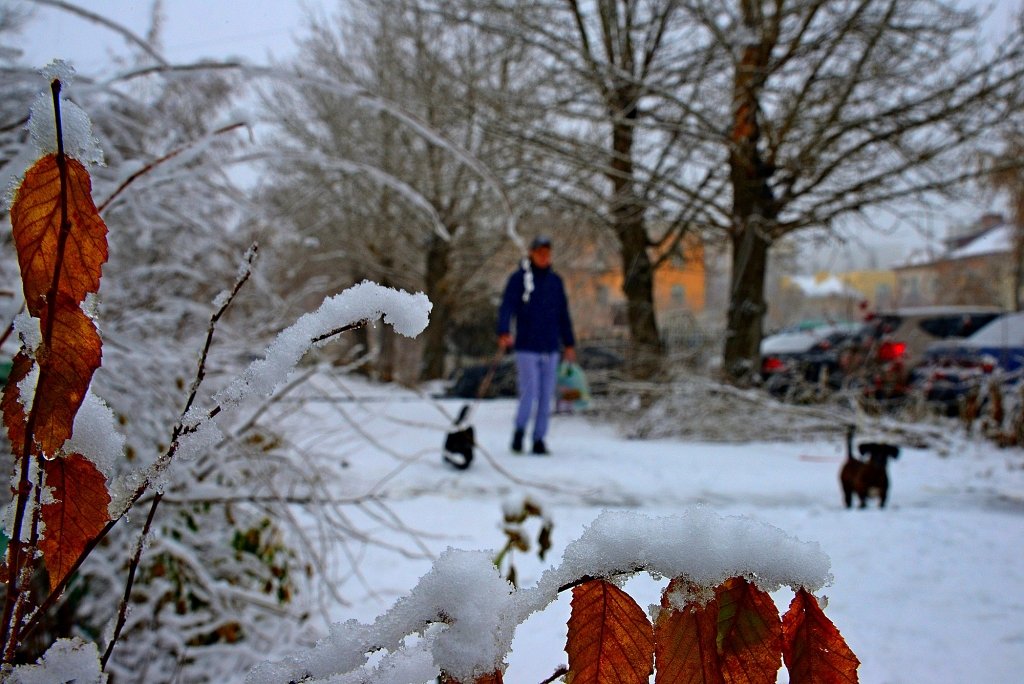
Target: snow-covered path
{"type": "Point", "coordinates": [929, 589]}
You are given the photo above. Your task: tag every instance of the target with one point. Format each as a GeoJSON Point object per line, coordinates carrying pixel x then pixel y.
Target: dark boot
{"type": "Point", "coordinates": [539, 448]}
{"type": "Point", "coordinates": [517, 441]}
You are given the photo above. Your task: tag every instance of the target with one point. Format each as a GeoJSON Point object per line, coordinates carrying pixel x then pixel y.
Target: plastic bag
{"type": "Point", "coordinates": [572, 392]}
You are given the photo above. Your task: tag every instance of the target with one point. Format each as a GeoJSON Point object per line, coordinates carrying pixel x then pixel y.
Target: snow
{"type": "Point", "coordinates": [903, 584]}
{"type": "Point", "coordinates": [67, 660]}
{"type": "Point", "coordinates": [801, 340]}
{"type": "Point", "coordinates": [96, 436]}
{"type": "Point", "coordinates": [830, 286]}
{"type": "Point", "coordinates": [76, 128]}
{"type": "Point", "coordinates": [789, 343]}
{"type": "Point", "coordinates": [998, 240]}
{"type": "Point", "coordinates": [406, 313]}
{"type": "Point", "coordinates": [480, 611]}
{"type": "Point", "coordinates": [1007, 330]}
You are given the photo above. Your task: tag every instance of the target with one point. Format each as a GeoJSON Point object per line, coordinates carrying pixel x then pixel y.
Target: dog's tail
{"type": "Point", "coordinates": [851, 429]}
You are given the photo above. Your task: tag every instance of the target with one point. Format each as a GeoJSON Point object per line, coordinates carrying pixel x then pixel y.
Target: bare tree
{"type": "Point", "coordinates": [1005, 175]}
{"type": "Point", "coordinates": [384, 201]}
{"type": "Point", "coordinates": [230, 558]}
{"type": "Point", "coordinates": [754, 120]}
{"type": "Point", "coordinates": [837, 108]}
{"type": "Point", "coordinates": [614, 136]}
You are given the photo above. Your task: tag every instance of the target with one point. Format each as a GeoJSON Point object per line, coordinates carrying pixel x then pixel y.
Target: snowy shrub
{"type": "Point", "coordinates": [214, 591]}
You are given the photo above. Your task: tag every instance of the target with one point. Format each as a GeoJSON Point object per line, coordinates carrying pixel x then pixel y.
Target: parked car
{"type": "Point", "coordinates": [953, 369]}
{"type": "Point", "coordinates": [598, 362]}
{"type": "Point", "coordinates": [806, 357]}
{"type": "Point", "coordinates": [894, 342]}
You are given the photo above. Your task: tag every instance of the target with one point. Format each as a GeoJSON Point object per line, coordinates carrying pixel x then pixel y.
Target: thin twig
{"type": "Point", "coordinates": [133, 565]}
{"type": "Point", "coordinates": [562, 670]}
{"type": "Point", "coordinates": [157, 162]}
{"type": "Point", "coordinates": [9, 328]}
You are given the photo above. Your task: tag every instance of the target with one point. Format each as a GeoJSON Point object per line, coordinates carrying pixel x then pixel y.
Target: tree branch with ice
{"type": "Point", "coordinates": [467, 614]}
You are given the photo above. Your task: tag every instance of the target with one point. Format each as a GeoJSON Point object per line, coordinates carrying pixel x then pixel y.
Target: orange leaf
{"type": "Point", "coordinates": [493, 678]}
{"type": "Point", "coordinates": [14, 413]}
{"type": "Point", "coordinates": [814, 650]}
{"type": "Point", "coordinates": [749, 633]}
{"type": "Point", "coordinates": [36, 224]}
{"type": "Point", "coordinates": [610, 637]}
{"type": "Point", "coordinates": [77, 514]}
{"type": "Point", "coordinates": [686, 649]}
{"type": "Point", "coordinates": [65, 371]}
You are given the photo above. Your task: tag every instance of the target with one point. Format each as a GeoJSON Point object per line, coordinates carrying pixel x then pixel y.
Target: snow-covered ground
{"type": "Point", "coordinates": [930, 589]}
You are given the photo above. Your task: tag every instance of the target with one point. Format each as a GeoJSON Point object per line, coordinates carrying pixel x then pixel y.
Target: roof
{"type": "Point", "coordinates": [997, 239]}
{"type": "Point", "coordinates": [830, 286]}
{"type": "Point", "coordinates": [939, 310]}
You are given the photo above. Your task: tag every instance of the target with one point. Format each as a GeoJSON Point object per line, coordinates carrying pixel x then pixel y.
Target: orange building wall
{"type": "Point", "coordinates": [594, 284]}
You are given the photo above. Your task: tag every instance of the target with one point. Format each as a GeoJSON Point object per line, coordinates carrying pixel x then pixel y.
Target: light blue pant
{"type": "Point", "coordinates": [537, 372]}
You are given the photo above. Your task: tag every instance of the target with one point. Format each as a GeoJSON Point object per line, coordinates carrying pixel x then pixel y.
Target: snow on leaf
{"type": "Point", "coordinates": [67, 660]}
{"type": "Point", "coordinates": [749, 633]}
{"type": "Point", "coordinates": [77, 514]}
{"type": "Point", "coordinates": [814, 650]}
{"type": "Point", "coordinates": [610, 637]}
{"type": "Point", "coordinates": [685, 641]}
{"type": "Point", "coordinates": [36, 224]}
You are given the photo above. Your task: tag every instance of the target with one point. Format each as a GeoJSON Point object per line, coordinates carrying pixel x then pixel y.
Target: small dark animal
{"type": "Point", "coordinates": [458, 445]}
{"type": "Point", "coordinates": [866, 478]}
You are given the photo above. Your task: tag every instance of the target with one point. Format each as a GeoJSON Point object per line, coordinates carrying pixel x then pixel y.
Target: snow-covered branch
{"type": "Point", "coordinates": [469, 614]}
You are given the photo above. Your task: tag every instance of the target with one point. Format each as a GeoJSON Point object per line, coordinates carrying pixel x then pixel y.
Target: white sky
{"type": "Point", "coordinates": [259, 30]}
{"type": "Point", "coordinates": [254, 29]}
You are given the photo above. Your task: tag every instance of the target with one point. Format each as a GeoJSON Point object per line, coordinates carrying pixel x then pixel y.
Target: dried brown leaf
{"type": "Point", "coordinates": [686, 650]}
{"type": "Point", "coordinates": [77, 514]}
{"type": "Point", "coordinates": [66, 369]}
{"type": "Point", "coordinates": [36, 224]}
{"type": "Point", "coordinates": [814, 650]}
{"type": "Point", "coordinates": [610, 638]}
{"type": "Point", "coordinates": [749, 633]}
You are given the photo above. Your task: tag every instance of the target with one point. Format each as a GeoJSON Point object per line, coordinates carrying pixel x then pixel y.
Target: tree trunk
{"type": "Point", "coordinates": [753, 213]}
{"type": "Point", "coordinates": [437, 289]}
{"type": "Point", "coordinates": [645, 355]}
{"type": "Point", "coordinates": [747, 307]}
{"type": "Point", "coordinates": [386, 353]}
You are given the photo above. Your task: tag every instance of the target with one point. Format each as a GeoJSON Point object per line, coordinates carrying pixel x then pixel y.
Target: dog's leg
{"type": "Point", "coordinates": [848, 497]}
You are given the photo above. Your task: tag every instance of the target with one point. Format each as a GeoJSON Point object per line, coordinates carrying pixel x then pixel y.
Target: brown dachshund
{"type": "Point", "coordinates": [866, 478]}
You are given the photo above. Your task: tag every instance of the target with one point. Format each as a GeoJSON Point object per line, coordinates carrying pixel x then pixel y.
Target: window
{"type": "Point", "coordinates": [678, 296]}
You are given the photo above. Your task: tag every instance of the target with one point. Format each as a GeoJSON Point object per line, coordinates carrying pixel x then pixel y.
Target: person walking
{"type": "Point", "coordinates": [535, 298]}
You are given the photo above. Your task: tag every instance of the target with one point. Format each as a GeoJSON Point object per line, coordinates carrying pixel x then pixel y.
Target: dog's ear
{"type": "Point", "coordinates": [892, 451]}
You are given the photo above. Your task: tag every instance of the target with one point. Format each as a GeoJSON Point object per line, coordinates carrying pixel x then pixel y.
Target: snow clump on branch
{"type": "Point", "coordinates": [408, 314]}
{"type": "Point", "coordinates": [467, 614]}
{"type": "Point", "coordinates": [366, 302]}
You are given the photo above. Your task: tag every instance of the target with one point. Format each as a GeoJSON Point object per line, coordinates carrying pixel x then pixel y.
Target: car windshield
{"type": "Point", "coordinates": [1004, 331]}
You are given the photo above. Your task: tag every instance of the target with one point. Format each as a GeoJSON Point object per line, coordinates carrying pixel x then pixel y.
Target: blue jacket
{"type": "Point", "coordinates": [543, 322]}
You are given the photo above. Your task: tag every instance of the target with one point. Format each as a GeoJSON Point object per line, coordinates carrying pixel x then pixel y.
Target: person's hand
{"type": "Point", "coordinates": [569, 354]}
{"type": "Point", "coordinates": [505, 341]}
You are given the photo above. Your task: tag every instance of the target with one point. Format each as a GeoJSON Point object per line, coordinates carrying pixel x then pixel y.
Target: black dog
{"type": "Point", "coordinates": [866, 478]}
{"type": "Point", "coordinates": [458, 445]}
